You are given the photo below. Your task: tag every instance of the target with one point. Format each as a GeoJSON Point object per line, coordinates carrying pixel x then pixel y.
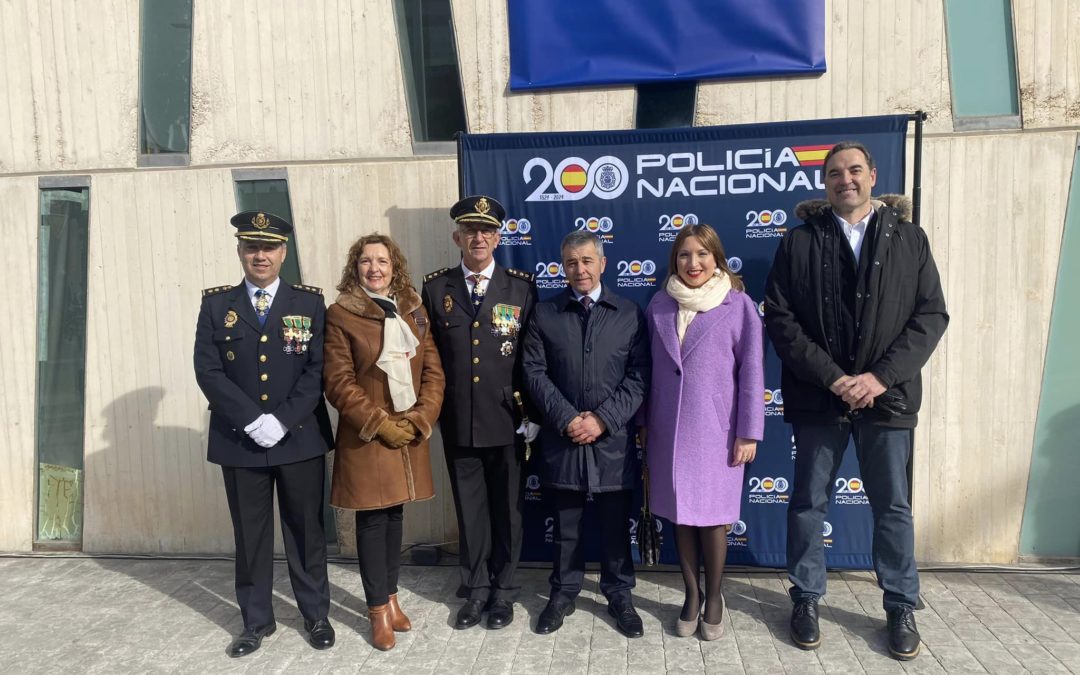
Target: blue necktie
{"type": "Point", "coordinates": [262, 306]}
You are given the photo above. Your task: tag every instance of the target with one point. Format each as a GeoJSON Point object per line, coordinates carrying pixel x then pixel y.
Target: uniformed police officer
{"type": "Point", "coordinates": [478, 314]}
{"type": "Point", "coordinates": [259, 361]}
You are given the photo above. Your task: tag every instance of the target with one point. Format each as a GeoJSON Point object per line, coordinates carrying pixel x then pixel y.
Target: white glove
{"type": "Point", "coordinates": [267, 431]}
{"type": "Point", "coordinates": [529, 430]}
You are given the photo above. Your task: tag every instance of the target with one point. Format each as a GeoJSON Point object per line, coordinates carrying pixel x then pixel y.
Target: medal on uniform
{"type": "Point", "coordinates": [305, 334]}
{"type": "Point", "coordinates": [230, 319]}
{"type": "Point", "coordinates": [505, 320]}
{"type": "Point", "coordinates": [507, 348]}
{"type": "Point", "coordinates": [289, 334]}
{"type": "Point", "coordinates": [448, 303]}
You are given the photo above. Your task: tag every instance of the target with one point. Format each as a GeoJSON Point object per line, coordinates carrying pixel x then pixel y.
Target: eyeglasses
{"type": "Point", "coordinates": [475, 233]}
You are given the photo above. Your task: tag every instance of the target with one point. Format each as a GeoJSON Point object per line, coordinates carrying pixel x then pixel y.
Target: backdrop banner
{"type": "Point", "coordinates": [636, 190]}
{"type": "Point", "coordinates": [569, 43]}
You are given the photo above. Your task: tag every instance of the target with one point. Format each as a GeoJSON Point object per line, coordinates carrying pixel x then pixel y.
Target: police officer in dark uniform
{"type": "Point", "coordinates": [259, 361]}
{"type": "Point", "coordinates": [478, 314]}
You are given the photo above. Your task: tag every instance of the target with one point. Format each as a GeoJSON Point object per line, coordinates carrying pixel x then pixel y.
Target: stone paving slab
{"type": "Point", "coordinates": [101, 615]}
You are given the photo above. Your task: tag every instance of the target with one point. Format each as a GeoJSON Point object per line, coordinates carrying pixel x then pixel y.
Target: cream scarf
{"type": "Point", "coordinates": [694, 300]}
{"type": "Point", "coordinates": [399, 346]}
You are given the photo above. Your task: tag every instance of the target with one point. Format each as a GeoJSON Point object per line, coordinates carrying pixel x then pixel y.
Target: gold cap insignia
{"type": "Point", "coordinates": [260, 221]}
{"type": "Point", "coordinates": [482, 206]}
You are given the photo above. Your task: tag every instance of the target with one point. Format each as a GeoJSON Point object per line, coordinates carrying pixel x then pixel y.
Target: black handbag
{"type": "Point", "coordinates": [648, 538]}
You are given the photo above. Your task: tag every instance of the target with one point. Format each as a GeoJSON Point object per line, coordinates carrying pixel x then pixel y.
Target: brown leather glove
{"type": "Point", "coordinates": [394, 435]}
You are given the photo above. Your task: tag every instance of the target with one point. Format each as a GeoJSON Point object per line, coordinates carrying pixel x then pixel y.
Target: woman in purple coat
{"type": "Point", "coordinates": [705, 412]}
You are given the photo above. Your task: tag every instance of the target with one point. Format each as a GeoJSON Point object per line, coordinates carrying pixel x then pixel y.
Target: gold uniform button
{"type": "Point", "coordinates": [475, 324]}
{"type": "Point", "coordinates": [476, 359]}
{"type": "Point", "coordinates": [475, 342]}
{"type": "Point", "coordinates": [476, 378]}
{"type": "Point", "coordinates": [263, 339]}
{"type": "Point", "coordinates": [264, 397]}
{"type": "Point", "coordinates": [228, 338]}
{"type": "Point", "coordinates": [262, 358]}
{"type": "Point", "coordinates": [229, 355]}
{"type": "Point", "coordinates": [264, 377]}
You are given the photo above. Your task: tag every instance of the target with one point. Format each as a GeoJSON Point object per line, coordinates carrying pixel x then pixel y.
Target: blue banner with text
{"type": "Point", "coordinates": [636, 190]}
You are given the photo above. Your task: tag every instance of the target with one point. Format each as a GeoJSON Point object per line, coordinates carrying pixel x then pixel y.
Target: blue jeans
{"type": "Point", "coordinates": [883, 454]}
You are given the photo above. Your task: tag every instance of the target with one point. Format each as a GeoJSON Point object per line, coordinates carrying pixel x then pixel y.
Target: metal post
{"type": "Point", "coordinates": [916, 190]}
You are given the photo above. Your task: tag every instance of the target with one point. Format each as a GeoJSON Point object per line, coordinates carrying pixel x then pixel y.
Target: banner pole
{"type": "Point", "coordinates": [458, 136]}
{"type": "Point", "coordinates": [916, 190]}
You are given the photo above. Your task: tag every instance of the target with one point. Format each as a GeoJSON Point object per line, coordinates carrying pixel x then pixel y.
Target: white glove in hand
{"type": "Point", "coordinates": [274, 429]}
{"type": "Point", "coordinates": [529, 430]}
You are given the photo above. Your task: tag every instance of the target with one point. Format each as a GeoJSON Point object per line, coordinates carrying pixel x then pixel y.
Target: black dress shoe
{"type": "Point", "coordinates": [320, 633]}
{"type": "Point", "coordinates": [804, 624]}
{"type": "Point", "coordinates": [626, 618]}
{"type": "Point", "coordinates": [250, 640]}
{"type": "Point", "coordinates": [500, 614]}
{"type": "Point", "coordinates": [904, 638]}
{"type": "Point", "coordinates": [551, 618]}
{"type": "Point", "coordinates": [469, 614]}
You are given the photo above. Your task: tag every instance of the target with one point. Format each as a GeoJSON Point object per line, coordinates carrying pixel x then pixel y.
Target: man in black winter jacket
{"type": "Point", "coordinates": [854, 308]}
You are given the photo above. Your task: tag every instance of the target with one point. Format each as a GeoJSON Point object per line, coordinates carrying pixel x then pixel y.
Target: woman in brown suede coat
{"type": "Point", "coordinates": [382, 373]}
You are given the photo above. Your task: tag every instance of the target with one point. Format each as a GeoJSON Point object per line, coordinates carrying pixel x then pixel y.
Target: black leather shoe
{"type": "Point", "coordinates": [250, 640]}
{"type": "Point", "coordinates": [469, 614]}
{"type": "Point", "coordinates": [804, 624]}
{"type": "Point", "coordinates": [500, 614]}
{"type": "Point", "coordinates": [552, 617]}
{"type": "Point", "coordinates": [320, 633]}
{"type": "Point", "coordinates": [904, 641]}
{"type": "Point", "coordinates": [626, 618]}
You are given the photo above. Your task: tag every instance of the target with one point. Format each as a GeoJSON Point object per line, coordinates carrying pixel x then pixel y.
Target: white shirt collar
{"type": "Point", "coordinates": [859, 225]}
{"type": "Point", "coordinates": [272, 289]}
{"type": "Point", "coordinates": [594, 294]}
{"type": "Point", "coordinates": [487, 271]}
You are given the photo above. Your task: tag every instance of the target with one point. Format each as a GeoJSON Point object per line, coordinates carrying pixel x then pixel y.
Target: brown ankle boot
{"type": "Point", "coordinates": [382, 633]}
{"type": "Point", "coordinates": [398, 620]}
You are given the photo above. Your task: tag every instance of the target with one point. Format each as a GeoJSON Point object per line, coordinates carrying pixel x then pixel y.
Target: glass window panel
{"type": "Point", "coordinates": [165, 76]}
{"type": "Point", "coordinates": [432, 79]}
{"type": "Point", "coordinates": [662, 105]}
{"type": "Point", "coordinates": [982, 63]}
{"type": "Point", "coordinates": [61, 362]}
{"type": "Point", "coordinates": [272, 196]}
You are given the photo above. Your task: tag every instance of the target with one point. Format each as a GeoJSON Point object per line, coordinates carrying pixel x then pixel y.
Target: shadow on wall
{"type": "Point", "coordinates": [162, 495]}
{"type": "Point", "coordinates": [425, 237]}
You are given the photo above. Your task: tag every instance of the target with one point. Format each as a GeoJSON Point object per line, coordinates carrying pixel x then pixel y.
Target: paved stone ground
{"type": "Point", "coordinates": [98, 615]}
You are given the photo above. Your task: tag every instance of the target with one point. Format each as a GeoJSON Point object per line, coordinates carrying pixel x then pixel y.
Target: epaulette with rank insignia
{"type": "Point", "coordinates": [526, 276]}
{"type": "Point", "coordinates": [215, 290]}
{"type": "Point", "coordinates": [436, 274]}
{"type": "Point", "coordinates": [310, 289]}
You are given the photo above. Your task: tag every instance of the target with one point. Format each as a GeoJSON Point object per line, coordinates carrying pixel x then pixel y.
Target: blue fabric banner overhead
{"type": "Point", "coordinates": [570, 43]}
{"type": "Point", "coordinates": [636, 190]}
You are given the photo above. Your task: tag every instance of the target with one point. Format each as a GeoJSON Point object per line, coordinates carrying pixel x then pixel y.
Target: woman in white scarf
{"type": "Point", "coordinates": [382, 373]}
{"type": "Point", "coordinates": [704, 415]}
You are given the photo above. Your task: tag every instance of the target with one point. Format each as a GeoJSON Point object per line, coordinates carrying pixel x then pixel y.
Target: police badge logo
{"type": "Point", "coordinates": [507, 348]}
{"type": "Point", "coordinates": [230, 319]}
{"type": "Point", "coordinates": [448, 303]}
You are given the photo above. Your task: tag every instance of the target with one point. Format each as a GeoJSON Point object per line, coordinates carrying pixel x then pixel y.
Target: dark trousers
{"type": "Point", "coordinates": [250, 491]}
{"type": "Point", "coordinates": [612, 511]}
{"type": "Point", "coordinates": [883, 454]}
{"type": "Point", "coordinates": [486, 483]}
{"type": "Point", "coordinates": [378, 545]}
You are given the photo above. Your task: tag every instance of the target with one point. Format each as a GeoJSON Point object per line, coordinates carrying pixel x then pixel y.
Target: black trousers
{"type": "Point", "coordinates": [378, 545]}
{"type": "Point", "coordinates": [612, 511]}
{"type": "Point", "coordinates": [250, 491]}
{"type": "Point", "coordinates": [486, 483]}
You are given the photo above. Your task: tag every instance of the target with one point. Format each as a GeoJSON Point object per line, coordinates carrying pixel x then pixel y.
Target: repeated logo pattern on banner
{"type": "Point", "coordinates": [636, 190]}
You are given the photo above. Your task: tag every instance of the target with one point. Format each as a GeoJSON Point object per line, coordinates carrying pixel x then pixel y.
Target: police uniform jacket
{"type": "Point", "coordinates": [245, 370]}
{"type": "Point", "coordinates": [481, 354]}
